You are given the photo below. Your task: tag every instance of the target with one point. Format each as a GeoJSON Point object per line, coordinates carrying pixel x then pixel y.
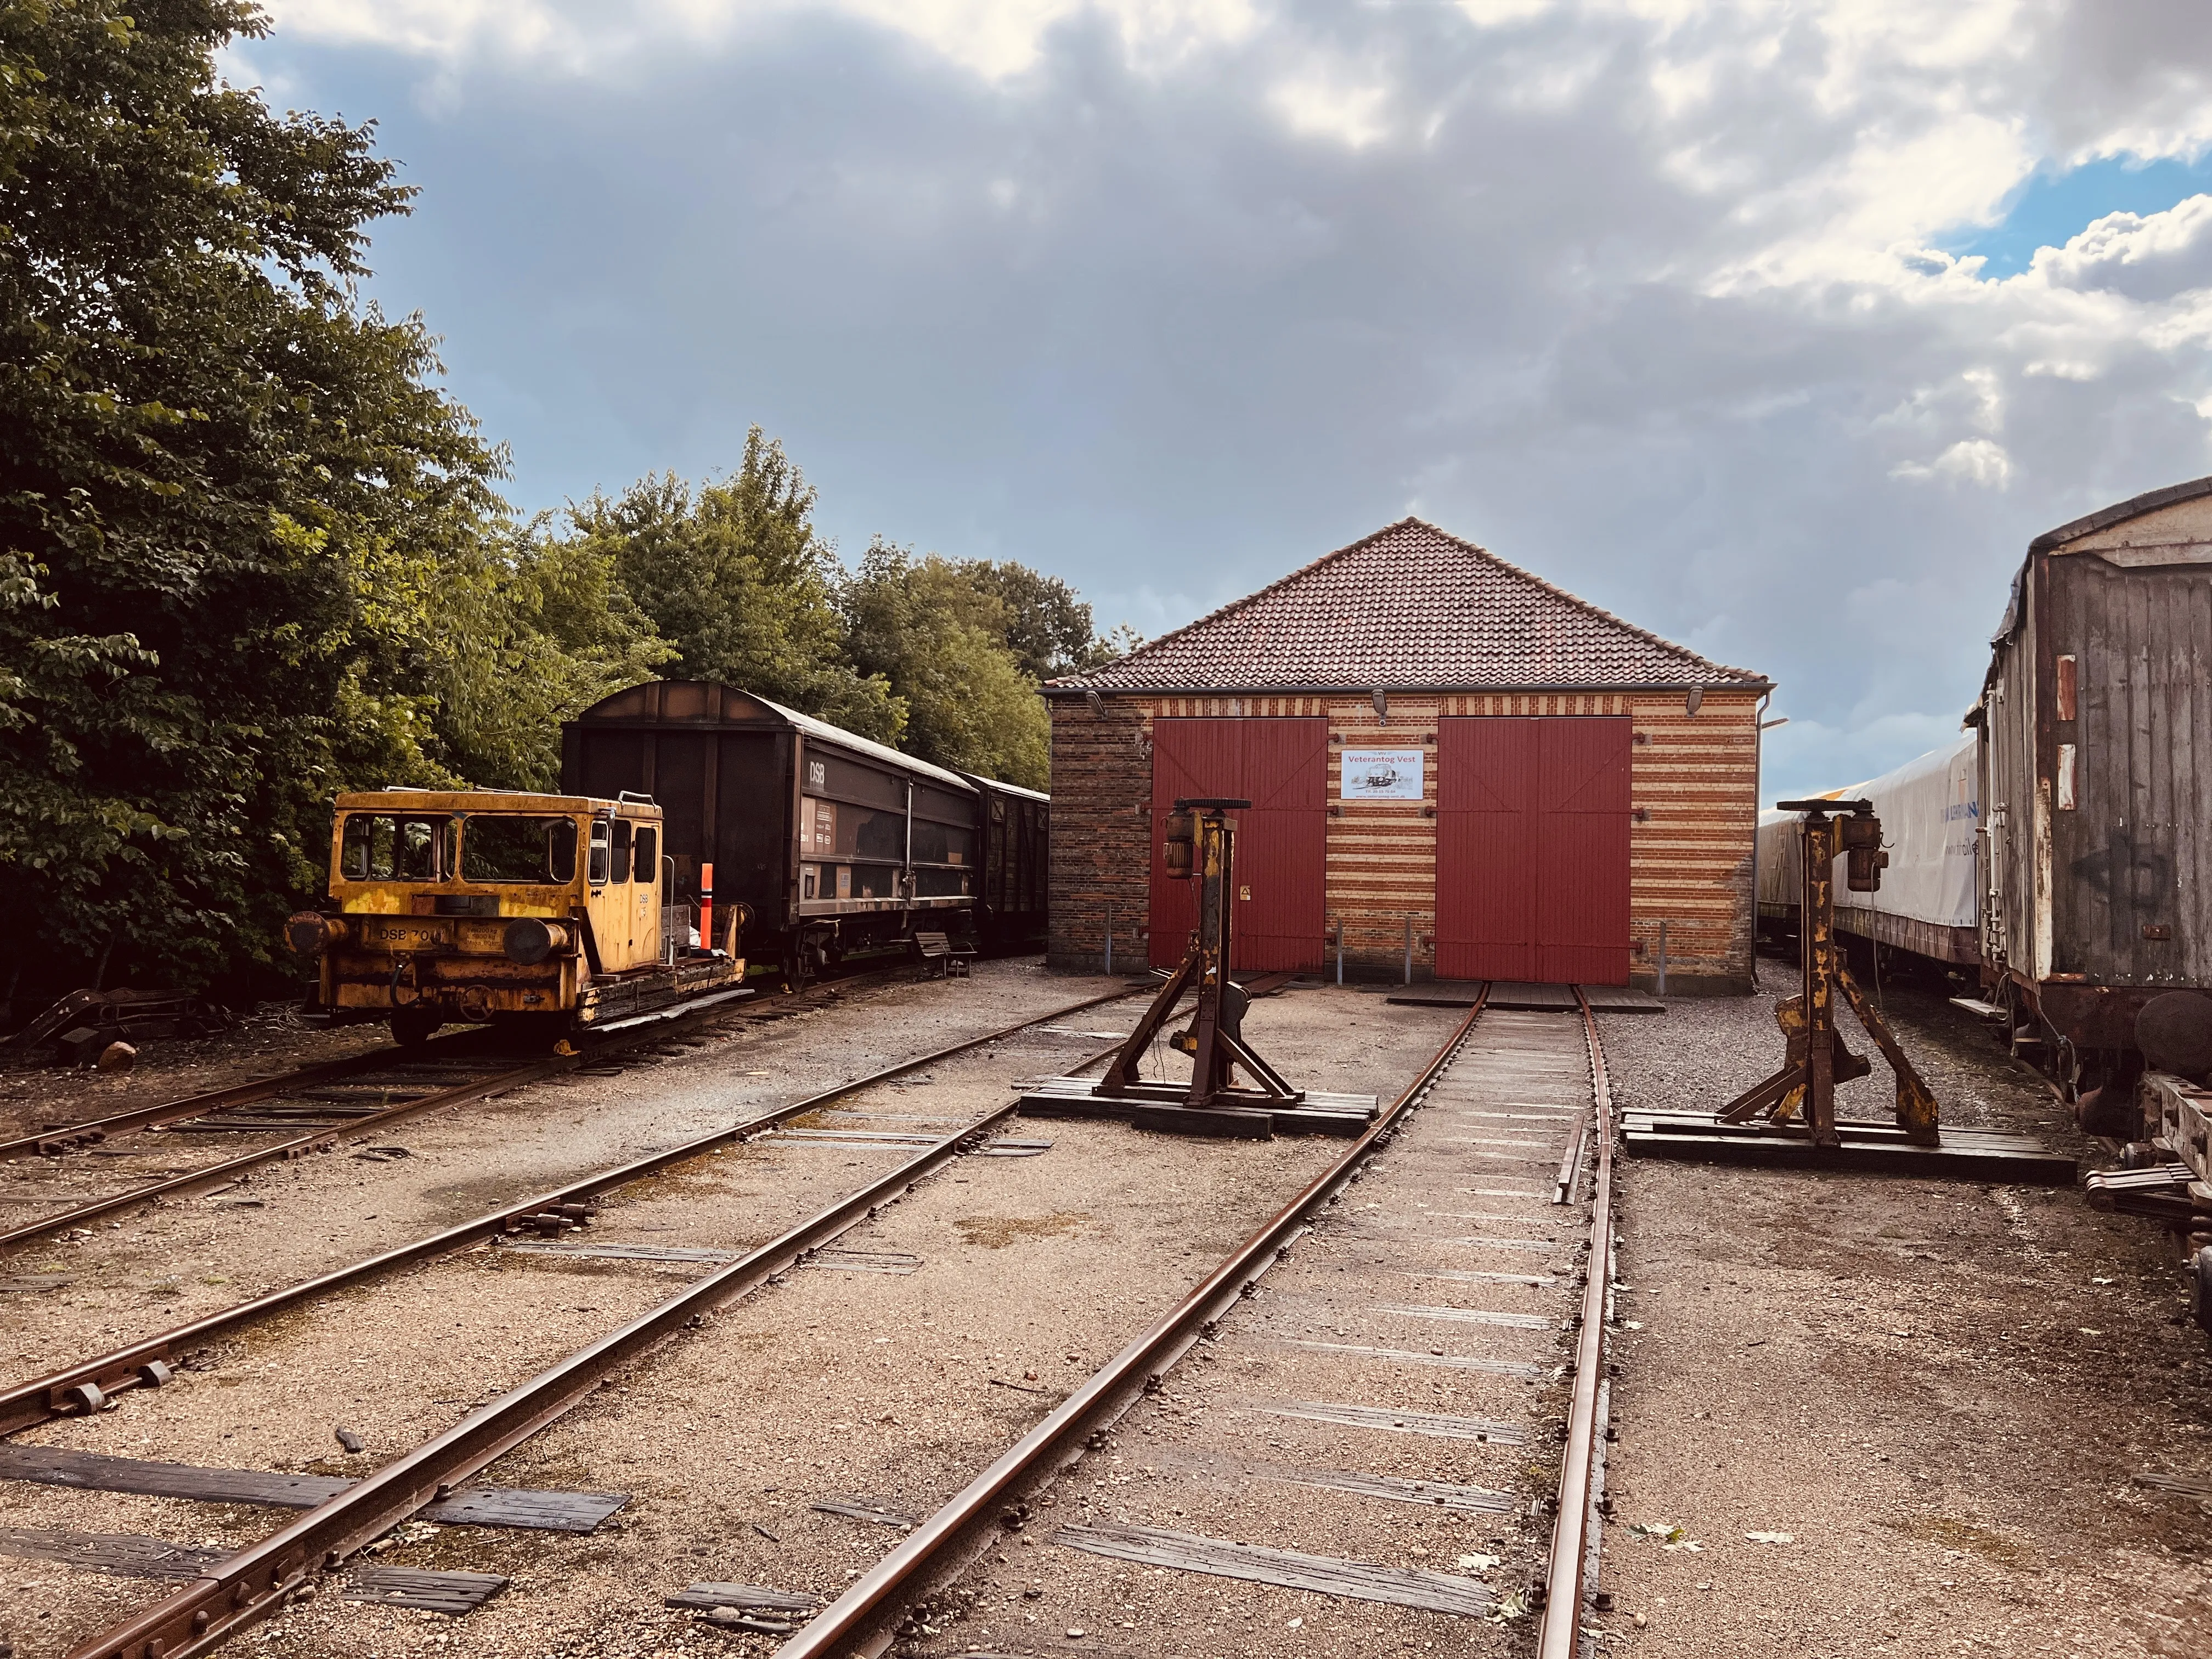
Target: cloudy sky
{"type": "Point", "coordinates": [1778, 326]}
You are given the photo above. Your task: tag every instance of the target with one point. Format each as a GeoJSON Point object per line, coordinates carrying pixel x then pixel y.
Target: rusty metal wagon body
{"type": "Point", "coordinates": [484, 907]}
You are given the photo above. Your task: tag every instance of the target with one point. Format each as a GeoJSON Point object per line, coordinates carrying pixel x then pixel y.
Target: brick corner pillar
{"type": "Point", "coordinates": [1101, 789]}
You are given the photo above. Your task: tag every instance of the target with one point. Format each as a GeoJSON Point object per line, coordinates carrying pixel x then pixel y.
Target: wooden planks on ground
{"type": "Point", "coordinates": [1158, 1107]}
{"type": "Point", "coordinates": [1397, 1489]}
{"type": "Point", "coordinates": [130, 1555]}
{"type": "Point", "coordinates": [1329, 1575]}
{"type": "Point", "coordinates": [1526, 998]}
{"type": "Point", "coordinates": [1876, 1148]}
{"type": "Point", "coordinates": [1451, 1362]}
{"type": "Point", "coordinates": [120, 1555]}
{"type": "Point", "coordinates": [450, 1593]}
{"type": "Point", "coordinates": [863, 1508]}
{"type": "Point", "coordinates": [757, 1609]}
{"type": "Point", "coordinates": [1377, 1417]}
{"type": "Point", "coordinates": [476, 1506]}
{"type": "Point", "coordinates": [761, 1597]}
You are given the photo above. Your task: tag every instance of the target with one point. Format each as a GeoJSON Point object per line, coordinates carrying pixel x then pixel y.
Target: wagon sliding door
{"type": "Point", "coordinates": [1532, 849]}
{"type": "Point", "coordinates": [1281, 765]}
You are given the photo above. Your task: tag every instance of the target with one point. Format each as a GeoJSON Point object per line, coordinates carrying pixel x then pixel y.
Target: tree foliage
{"type": "Point", "coordinates": [735, 577]}
{"type": "Point", "coordinates": [246, 548]}
{"type": "Point", "coordinates": [251, 554]}
{"type": "Point", "coordinates": [940, 639]}
{"type": "Point", "coordinates": [941, 657]}
{"type": "Point", "coordinates": [1047, 626]}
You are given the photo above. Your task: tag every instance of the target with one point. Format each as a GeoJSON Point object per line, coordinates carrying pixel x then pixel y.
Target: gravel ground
{"type": "Point", "coordinates": [1938, 1390]}
{"type": "Point", "coordinates": [173, 1260]}
{"type": "Point", "coordinates": [241, 1404]}
{"type": "Point", "coordinates": [835, 1383]}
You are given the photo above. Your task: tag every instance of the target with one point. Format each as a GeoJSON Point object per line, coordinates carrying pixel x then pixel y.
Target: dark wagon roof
{"type": "Point", "coordinates": [662, 703]}
{"type": "Point", "coordinates": [1408, 608]}
{"type": "Point", "coordinates": [2087, 525]}
{"type": "Point", "coordinates": [2119, 512]}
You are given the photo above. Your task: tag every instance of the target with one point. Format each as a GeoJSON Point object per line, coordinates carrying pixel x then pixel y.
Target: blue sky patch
{"type": "Point", "coordinates": [2052, 208]}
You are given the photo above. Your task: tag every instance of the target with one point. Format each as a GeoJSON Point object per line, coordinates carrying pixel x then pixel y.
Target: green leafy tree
{"type": "Point", "coordinates": [508, 633]}
{"type": "Point", "coordinates": [736, 579]}
{"type": "Point", "coordinates": [1047, 626]}
{"type": "Point", "coordinates": [219, 474]}
{"type": "Point", "coordinates": [939, 639]}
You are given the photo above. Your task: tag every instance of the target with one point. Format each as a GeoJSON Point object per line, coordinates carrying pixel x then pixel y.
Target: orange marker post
{"type": "Point", "coordinates": [707, 906]}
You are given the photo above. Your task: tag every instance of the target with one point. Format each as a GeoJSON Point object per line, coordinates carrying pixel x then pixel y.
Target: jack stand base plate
{"type": "Point", "coordinates": [1241, 1113]}
{"type": "Point", "coordinates": [1878, 1148]}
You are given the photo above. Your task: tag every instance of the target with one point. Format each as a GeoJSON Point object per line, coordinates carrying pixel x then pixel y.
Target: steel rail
{"type": "Point", "coordinates": [255, 1583]}
{"type": "Point", "coordinates": [324, 1139]}
{"type": "Point", "coordinates": [218, 1100]}
{"type": "Point", "coordinates": [1559, 1631]}
{"type": "Point", "coordinates": [86, 1385]}
{"type": "Point", "coordinates": [297, 1147]}
{"type": "Point", "coordinates": [92, 1131]}
{"type": "Point", "coordinates": [866, 1616]}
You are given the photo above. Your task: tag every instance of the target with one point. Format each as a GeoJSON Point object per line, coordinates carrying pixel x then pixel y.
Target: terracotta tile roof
{"type": "Point", "coordinates": [1408, 608]}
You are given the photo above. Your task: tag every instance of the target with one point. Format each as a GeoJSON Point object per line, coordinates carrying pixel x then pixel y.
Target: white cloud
{"type": "Point", "coordinates": [1971, 460]}
{"type": "Point", "coordinates": [2145, 257]}
{"type": "Point", "coordinates": [1172, 295]}
{"type": "Point", "coordinates": [1495, 14]}
{"type": "Point", "coordinates": [1328, 101]}
{"type": "Point", "coordinates": [990, 37]}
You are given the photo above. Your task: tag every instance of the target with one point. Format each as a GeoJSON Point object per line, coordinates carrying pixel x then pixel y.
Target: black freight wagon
{"type": "Point", "coordinates": [834, 845]}
{"type": "Point", "coordinates": [1016, 826]}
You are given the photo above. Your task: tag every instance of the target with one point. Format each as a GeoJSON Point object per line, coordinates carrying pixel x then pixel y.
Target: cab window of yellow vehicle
{"type": "Point", "coordinates": [598, 855]}
{"type": "Point", "coordinates": [503, 847]}
{"type": "Point", "coordinates": [646, 862]}
{"type": "Point", "coordinates": [381, 847]}
{"type": "Point", "coordinates": [620, 849]}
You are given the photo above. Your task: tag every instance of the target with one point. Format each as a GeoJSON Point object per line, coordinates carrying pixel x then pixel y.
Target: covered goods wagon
{"type": "Point", "coordinates": [830, 844]}
{"type": "Point", "coordinates": [1930, 813]}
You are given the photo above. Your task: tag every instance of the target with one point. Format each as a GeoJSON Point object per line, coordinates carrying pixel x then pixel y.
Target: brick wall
{"type": "Point", "coordinates": [1690, 861]}
{"type": "Point", "coordinates": [1101, 792]}
{"type": "Point", "coordinates": [1382, 853]}
{"type": "Point", "coordinates": [1690, 854]}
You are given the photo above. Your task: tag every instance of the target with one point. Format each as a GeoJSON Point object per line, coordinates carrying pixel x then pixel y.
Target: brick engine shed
{"type": "Point", "coordinates": [1435, 744]}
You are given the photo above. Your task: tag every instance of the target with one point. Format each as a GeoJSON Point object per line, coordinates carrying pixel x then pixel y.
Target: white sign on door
{"type": "Point", "coordinates": [1381, 775]}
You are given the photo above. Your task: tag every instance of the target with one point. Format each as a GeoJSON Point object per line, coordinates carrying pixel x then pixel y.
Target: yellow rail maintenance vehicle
{"type": "Point", "coordinates": [537, 912]}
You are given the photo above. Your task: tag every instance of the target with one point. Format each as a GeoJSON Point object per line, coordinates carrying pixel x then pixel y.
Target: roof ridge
{"type": "Point", "coordinates": [1257, 593]}
{"type": "Point", "coordinates": [2120, 512]}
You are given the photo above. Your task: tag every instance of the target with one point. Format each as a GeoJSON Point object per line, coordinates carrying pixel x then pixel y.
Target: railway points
{"type": "Point", "coordinates": [88, 1384]}
{"type": "Point", "coordinates": [662, 1206]}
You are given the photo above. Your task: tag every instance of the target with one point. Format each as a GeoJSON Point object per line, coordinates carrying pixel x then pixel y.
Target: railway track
{"type": "Point", "coordinates": [250, 1585]}
{"type": "Point", "coordinates": [87, 1385]}
{"type": "Point", "coordinates": [1519, 1115]}
{"type": "Point", "coordinates": [312, 1109]}
{"type": "Point", "coordinates": [1491, 1092]}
